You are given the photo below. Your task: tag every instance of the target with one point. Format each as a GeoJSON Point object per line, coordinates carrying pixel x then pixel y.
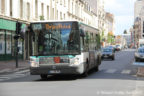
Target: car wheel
{"type": "Point", "coordinates": [136, 59]}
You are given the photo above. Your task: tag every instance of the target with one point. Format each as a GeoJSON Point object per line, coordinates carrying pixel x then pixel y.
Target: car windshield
{"type": "Point", "coordinates": [117, 45]}
{"type": "Point", "coordinates": [141, 51]}
{"type": "Point", "coordinates": [107, 50]}
{"type": "Point", "coordinates": [56, 38]}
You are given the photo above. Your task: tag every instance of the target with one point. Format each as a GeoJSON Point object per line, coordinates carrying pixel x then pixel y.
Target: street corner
{"type": "Point", "coordinates": [140, 72]}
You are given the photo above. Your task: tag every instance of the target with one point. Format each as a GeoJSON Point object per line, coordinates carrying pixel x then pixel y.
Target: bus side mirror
{"type": "Point", "coordinates": [82, 34]}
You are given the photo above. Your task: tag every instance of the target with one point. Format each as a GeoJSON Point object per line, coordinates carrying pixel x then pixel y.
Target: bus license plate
{"type": "Point", "coordinates": [55, 71]}
{"type": "Point", "coordinates": [105, 56]}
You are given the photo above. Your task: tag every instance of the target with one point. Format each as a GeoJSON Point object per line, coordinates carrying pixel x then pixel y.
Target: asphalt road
{"type": "Point", "coordinates": [115, 78]}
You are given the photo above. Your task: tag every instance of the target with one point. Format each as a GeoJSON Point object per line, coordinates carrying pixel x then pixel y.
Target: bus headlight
{"type": "Point", "coordinates": [74, 61]}
{"type": "Point", "coordinates": [34, 63]}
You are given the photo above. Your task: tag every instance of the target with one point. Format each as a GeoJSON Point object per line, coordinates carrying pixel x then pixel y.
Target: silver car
{"type": "Point", "coordinates": [108, 53]}
{"type": "Point", "coordinates": [139, 54]}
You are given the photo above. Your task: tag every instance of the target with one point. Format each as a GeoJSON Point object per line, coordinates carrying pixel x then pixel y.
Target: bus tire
{"type": "Point", "coordinates": [85, 74]}
{"type": "Point", "coordinates": [113, 58]}
{"type": "Point", "coordinates": [99, 60]}
{"type": "Point", "coordinates": [96, 68]}
{"type": "Point", "coordinates": [43, 76]}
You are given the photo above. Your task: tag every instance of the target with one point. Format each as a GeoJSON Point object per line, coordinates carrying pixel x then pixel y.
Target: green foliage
{"type": "Point", "coordinates": [41, 17]}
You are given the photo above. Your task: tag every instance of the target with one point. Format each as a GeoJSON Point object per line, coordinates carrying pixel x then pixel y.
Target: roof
{"type": "Point", "coordinates": [44, 21]}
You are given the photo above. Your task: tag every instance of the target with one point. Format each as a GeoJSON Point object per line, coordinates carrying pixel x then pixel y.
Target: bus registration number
{"type": "Point", "coordinates": [55, 71]}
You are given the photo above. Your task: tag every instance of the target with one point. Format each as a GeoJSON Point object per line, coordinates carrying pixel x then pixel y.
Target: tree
{"type": "Point", "coordinates": [125, 31]}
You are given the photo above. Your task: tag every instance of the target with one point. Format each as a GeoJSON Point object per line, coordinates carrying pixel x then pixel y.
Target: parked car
{"type": "Point", "coordinates": [108, 53]}
{"type": "Point", "coordinates": [112, 47]}
{"type": "Point", "coordinates": [139, 55]}
{"type": "Point", "coordinates": [118, 47]}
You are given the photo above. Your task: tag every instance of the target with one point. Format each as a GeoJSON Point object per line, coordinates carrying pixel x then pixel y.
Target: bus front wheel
{"type": "Point", "coordinates": [43, 76]}
{"type": "Point", "coordinates": [97, 68]}
{"type": "Point", "coordinates": [85, 74]}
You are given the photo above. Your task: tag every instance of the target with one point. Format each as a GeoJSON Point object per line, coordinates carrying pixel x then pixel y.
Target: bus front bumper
{"type": "Point", "coordinates": [54, 70]}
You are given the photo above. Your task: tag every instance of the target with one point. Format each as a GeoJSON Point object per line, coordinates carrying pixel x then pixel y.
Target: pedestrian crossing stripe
{"type": "Point", "coordinates": [111, 71]}
{"type": "Point", "coordinates": [14, 75]}
{"type": "Point", "coordinates": [126, 72]}
{"type": "Point", "coordinates": [21, 72]}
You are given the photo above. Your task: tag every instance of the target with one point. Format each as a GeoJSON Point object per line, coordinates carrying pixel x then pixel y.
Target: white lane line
{"type": "Point", "coordinates": [12, 76]}
{"type": "Point", "coordinates": [20, 72]}
{"type": "Point", "coordinates": [4, 70]}
{"type": "Point", "coordinates": [4, 78]}
{"type": "Point", "coordinates": [111, 71]}
{"type": "Point", "coordinates": [17, 75]}
{"type": "Point", "coordinates": [126, 72]}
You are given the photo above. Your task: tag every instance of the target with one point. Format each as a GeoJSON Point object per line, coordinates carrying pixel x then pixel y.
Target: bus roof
{"type": "Point", "coordinates": [88, 25]}
{"type": "Point", "coordinates": [45, 21]}
{"type": "Point", "coordinates": [54, 21]}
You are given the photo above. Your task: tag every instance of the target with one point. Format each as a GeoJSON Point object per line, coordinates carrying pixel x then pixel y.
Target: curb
{"type": "Point", "coordinates": [7, 71]}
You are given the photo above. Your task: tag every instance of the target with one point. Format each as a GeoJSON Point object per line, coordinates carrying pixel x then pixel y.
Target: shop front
{"type": "Point", "coordinates": [7, 42]}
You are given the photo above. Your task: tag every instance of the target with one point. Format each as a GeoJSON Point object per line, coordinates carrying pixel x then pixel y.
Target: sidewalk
{"type": "Point", "coordinates": [140, 72]}
{"type": "Point", "coordinates": [10, 66]}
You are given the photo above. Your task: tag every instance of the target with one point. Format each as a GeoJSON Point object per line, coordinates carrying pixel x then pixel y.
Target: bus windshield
{"type": "Point", "coordinates": [55, 38]}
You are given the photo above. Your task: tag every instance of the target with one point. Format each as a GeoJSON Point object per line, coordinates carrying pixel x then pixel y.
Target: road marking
{"type": "Point", "coordinates": [126, 72]}
{"type": "Point", "coordinates": [17, 75]}
{"type": "Point", "coordinates": [4, 70]}
{"type": "Point", "coordinates": [4, 78]}
{"type": "Point", "coordinates": [139, 88]}
{"type": "Point", "coordinates": [24, 71]}
{"type": "Point", "coordinates": [14, 75]}
{"type": "Point", "coordinates": [111, 71]}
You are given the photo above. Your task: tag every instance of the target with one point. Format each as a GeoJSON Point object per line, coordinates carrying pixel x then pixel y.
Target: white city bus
{"type": "Point", "coordinates": [63, 47]}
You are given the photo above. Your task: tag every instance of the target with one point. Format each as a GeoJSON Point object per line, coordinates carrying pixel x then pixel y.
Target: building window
{"type": "Point", "coordinates": [13, 44]}
{"type": "Point", "coordinates": [36, 8]}
{"type": "Point", "coordinates": [143, 27]}
{"type": "Point", "coordinates": [11, 8]}
{"type": "Point", "coordinates": [64, 17]}
{"type": "Point", "coordinates": [57, 14]}
{"type": "Point", "coordinates": [2, 42]}
{"type": "Point", "coordinates": [2, 6]}
{"type": "Point", "coordinates": [42, 9]}
{"type": "Point", "coordinates": [61, 2]}
{"type": "Point", "coordinates": [8, 42]}
{"type": "Point", "coordinates": [64, 3]}
{"type": "Point", "coordinates": [21, 8]}
{"type": "Point", "coordinates": [47, 12]}
{"type": "Point", "coordinates": [68, 5]}
{"type": "Point", "coordinates": [60, 15]}
{"type": "Point", "coordinates": [72, 7]}
{"type": "Point", "coordinates": [20, 45]}
{"type": "Point", "coordinates": [52, 13]}
{"type": "Point", "coordinates": [28, 10]}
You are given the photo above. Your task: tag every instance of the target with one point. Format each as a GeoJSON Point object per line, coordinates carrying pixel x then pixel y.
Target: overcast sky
{"type": "Point", "coordinates": [123, 11]}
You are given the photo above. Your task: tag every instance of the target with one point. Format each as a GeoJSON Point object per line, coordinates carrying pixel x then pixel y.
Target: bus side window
{"type": "Point", "coordinates": [95, 38]}
{"type": "Point", "coordinates": [82, 43]}
{"type": "Point", "coordinates": [86, 42]}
